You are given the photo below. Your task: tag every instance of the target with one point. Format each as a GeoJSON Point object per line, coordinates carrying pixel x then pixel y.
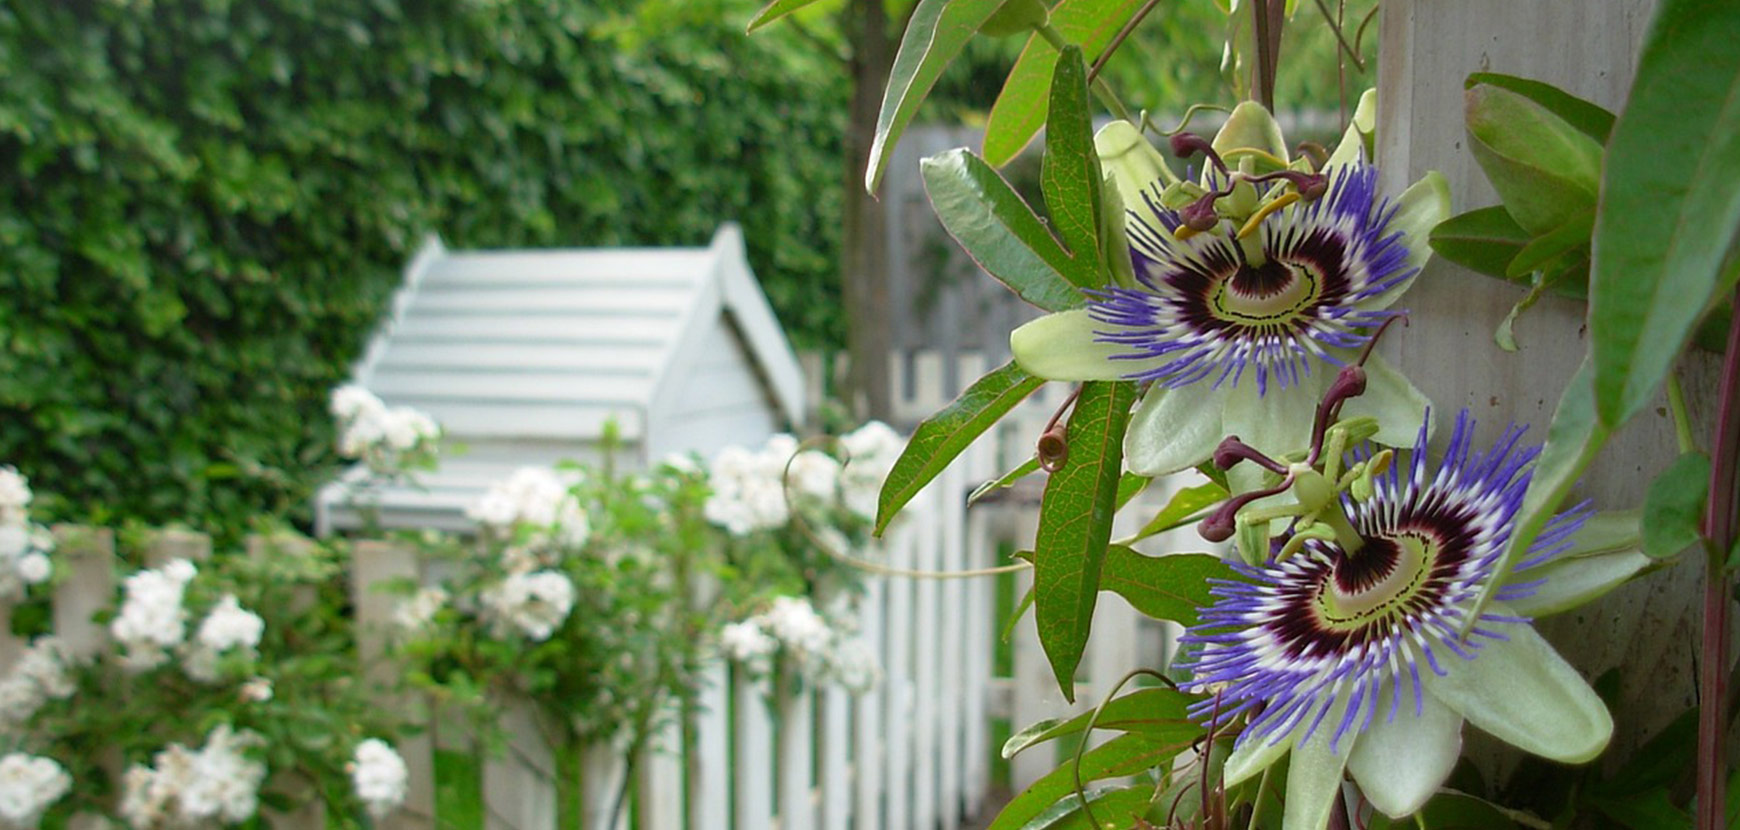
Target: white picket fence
{"type": "Point", "coordinates": [912, 752]}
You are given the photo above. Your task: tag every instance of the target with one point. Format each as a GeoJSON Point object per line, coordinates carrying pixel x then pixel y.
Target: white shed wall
{"type": "Point", "coordinates": [722, 400]}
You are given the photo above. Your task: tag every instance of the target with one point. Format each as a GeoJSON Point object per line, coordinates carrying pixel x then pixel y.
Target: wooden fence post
{"type": "Point", "coordinates": [373, 562]}
{"type": "Point", "coordinates": [795, 753]}
{"type": "Point", "coordinates": [752, 791]}
{"type": "Point", "coordinates": [709, 761]}
{"type": "Point", "coordinates": [1589, 49]}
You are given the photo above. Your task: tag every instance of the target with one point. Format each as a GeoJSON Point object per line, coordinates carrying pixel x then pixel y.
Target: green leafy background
{"type": "Point", "coordinates": [209, 202]}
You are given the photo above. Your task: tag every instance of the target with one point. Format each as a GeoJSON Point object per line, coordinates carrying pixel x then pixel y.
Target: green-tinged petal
{"type": "Point", "coordinates": [1253, 757]}
{"type": "Point", "coordinates": [1133, 163]}
{"type": "Point", "coordinates": [1250, 125]}
{"type": "Point", "coordinates": [1174, 429]}
{"type": "Point", "coordinates": [1314, 776]}
{"type": "Point", "coordinates": [1279, 421]}
{"type": "Point", "coordinates": [1603, 555]}
{"type": "Point", "coordinates": [1357, 139]}
{"type": "Point", "coordinates": [1400, 762]}
{"type": "Point", "coordinates": [1418, 210]}
{"type": "Point", "coordinates": [1133, 167]}
{"type": "Point", "coordinates": [1523, 692]}
{"type": "Point", "coordinates": [1065, 346]}
{"type": "Point", "coordinates": [1393, 400]}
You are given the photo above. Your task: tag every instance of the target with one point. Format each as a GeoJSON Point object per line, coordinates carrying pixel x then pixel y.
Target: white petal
{"type": "Point", "coordinates": [1314, 777]}
{"type": "Point", "coordinates": [1174, 429]}
{"type": "Point", "coordinates": [1524, 693]}
{"type": "Point", "coordinates": [1063, 346]}
{"type": "Point", "coordinates": [1399, 763]}
{"type": "Point", "coordinates": [1364, 123]}
{"type": "Point", "coordinates": [1393, 400]}
{"type": "Point", "coordinates": [1278, 422]}
{"type": "Point", "coordinates": [1421, 207]}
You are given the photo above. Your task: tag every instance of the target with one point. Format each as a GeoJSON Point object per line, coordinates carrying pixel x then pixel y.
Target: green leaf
{"type": "Point", "coordinates": [1669, 207]}
{"type": "Point", "coordinates": [935, 34]}
{"type": "Point", "coordinates": [1184, 505]}
{"type": "Point", "coordinates": [1553, 244]}
{"type": "Point", "coordinates": [1650, 810]}
{"type": "Point", "coordinates": [1112, 807]}
{"type": "Point", "coordinates": [998, 230]}
{"type": "Point", "coordinates": [1075, 525]}
{"type": "Point", "coordinates": [1591, 119]}
{"type": "Point", "coordinates": [943, 436]}
{"type": "Point", "coordinates": [1545, 170]}
{"type": "Point", "coordinates": [1020, 109]}
{"type": "Point", "coordinates": [1484, 241]}
{"type": "Point", "coordinates": [1573, 439]}
{"type": "Point", "coordinates": [1008, 479]}
{"type": "Point", "coordinates": [1019, 612]}
{"type": "Point", "coordinates": [1171, 587]}
{"type": "Point", "coordinates": [1130, 485]}
{"type": "Point", "coordinates": [1070, 176]}
{"type": "Point", "coordinates": [776, 10]}
{"type": "Point", "coordinates": [1123, 755]}
{"type": "Point", "coordinates": [1673, 508]}
{"type": "Point", "coordinates": [1160, 713]}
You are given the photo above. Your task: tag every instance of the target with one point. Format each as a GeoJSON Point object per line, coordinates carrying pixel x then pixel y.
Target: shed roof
{"type": "Point", "coordinates": [524, 355]}
{"type": "Point", "coordinates": [549, 344]}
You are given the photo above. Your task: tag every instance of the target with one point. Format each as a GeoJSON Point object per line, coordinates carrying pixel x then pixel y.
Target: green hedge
{"type": "Point", "coordinates": [208, 203]}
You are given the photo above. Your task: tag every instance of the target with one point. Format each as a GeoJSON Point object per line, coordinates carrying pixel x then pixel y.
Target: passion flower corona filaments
{"type": "Point", "coordinates": [1244, 290]}
{"type": "Point", "coordinates": [1347, 653]}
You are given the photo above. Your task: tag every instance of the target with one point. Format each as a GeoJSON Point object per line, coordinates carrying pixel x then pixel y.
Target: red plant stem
{"type": "Point", "coordinates": [1719, 526]}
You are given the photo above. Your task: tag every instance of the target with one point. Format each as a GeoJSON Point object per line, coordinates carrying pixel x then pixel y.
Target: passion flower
{"type": "Point", "coordinates": [1245, 290]}
{"type": "Point", "coordinates": [1348, 653]}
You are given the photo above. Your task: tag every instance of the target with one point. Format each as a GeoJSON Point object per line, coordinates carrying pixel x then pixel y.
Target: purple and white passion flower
{"type": "Point", "coordinates": [1348, 653]}
{"type": "Point", "coordinates": [1244, 290]}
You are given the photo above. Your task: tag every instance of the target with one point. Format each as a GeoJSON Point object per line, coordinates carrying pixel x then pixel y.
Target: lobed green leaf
{"type": "Point", "coordinates": [1075, 525]}
{"type": "Point", "coordinates": [999, 231]}
{"type": "Point", "coordinates": [1669, 209]}
{"type": "Point", "coordinates": [943, 436]}
{"type": "Point", "coordinates": [935, 34]}
{"type": "Point", "coordinates": [1021, 107]}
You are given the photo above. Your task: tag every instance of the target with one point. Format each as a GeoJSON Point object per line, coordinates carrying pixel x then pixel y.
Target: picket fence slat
{"type": "Point", "coordinates": [870, 741]}
{"type": "Point", "coordinates": [752, 790]}
{"type": "Point", "coordinates": [373, 563]}
{"type": "Point", "coordinates": [897, 758]}
{"type": "Point", "coordinates": [834, 745]}
{"type": "Point", "coordinates": [796, 741]}
{"type": "Point", "coordinates": [951, 683]}
{"type": "Point", "coordinates": [924, 629]}
{"type": "Point", "coordinates": [661, 777]}
{"type": "Point", "coordinates": [709, 778]}
{"type": "Point", "coordinates": [602, 774]}
{"type": "Point", "coordinates": [519, 782]}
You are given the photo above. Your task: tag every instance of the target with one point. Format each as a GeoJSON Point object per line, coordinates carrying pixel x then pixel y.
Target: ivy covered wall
{"type": "Point", "coordinates": [208, 203]}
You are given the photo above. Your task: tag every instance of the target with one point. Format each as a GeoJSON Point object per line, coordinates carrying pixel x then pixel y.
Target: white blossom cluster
{"type": "Point", "coordinates": [533, 603]}
{"type": "Point", "coordinates": [749, 487]}
{"type": "Point", "coordinates": [228, 629]}
{"type": "Point", "coordinates": [379, 776]}
{"type": "Point", "coordinates": [792, 628]}
{"type": "Point", "coordinates": [29, 784]}
{"type": "Point", "coordinates": [24, 547]}
{"type": "Point", "coordinates": [538, 497]}
{"type": "Point", "coordinates": [184, 788]}
{"type": "Point", "coordinates": [377, 434]}
{"type": "Point", "coordinates": [152, 619]}
{"type": "Point", "coordinates": [871, 451]}
{"type": "Point", "coordinates": [40, 675]}
{"type": "Point", "coordinates": [414, 614]}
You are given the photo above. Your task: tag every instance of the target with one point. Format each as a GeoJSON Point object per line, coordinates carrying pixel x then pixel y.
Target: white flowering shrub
{"type": "Point", "coordinates": [379, 776]}
{"type": "Point", "coordinates": [390, 440]}
{"type": "Point", "coordinates": [217, 676]}
{"type": "Point", "coordinates": [25, 547]}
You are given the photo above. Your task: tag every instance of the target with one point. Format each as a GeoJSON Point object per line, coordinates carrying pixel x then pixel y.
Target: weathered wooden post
{"type": "Point", "coordinates": [1589, 49]}
{"type": "Point", "coordinates": [371, 563]}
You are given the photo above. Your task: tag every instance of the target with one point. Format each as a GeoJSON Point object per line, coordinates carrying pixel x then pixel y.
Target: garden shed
{"type": "Point", "coordinates": [525, 357]}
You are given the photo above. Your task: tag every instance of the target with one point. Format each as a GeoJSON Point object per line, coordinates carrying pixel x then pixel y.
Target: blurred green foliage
{"type": "Point", "coordinates": [208, 203]}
